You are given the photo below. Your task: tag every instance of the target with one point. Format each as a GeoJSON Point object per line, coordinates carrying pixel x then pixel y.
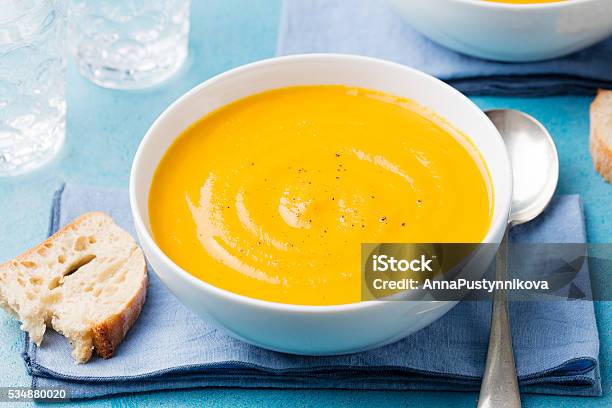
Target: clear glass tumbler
{"type": "Point", "coordinates": [32, 83]}
{"type": "Point", "coordinates": [128, 44]}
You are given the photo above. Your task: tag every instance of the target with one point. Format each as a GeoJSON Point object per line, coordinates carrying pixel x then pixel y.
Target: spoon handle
{"type": "Point", "coordinates": [499, 387]}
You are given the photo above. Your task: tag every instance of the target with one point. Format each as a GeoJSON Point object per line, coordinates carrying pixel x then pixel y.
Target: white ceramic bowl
{"type": "Point", "coordinates": [510, 32]}
{"type": "Point", "coordinates": [314, 330]}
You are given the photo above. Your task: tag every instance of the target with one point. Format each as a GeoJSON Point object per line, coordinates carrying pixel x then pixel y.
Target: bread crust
{"type": "Point", "coordinates": [601, 151]}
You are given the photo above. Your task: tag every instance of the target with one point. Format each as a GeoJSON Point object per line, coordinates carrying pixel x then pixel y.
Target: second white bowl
{"type": "Point", "coordinates": [510, 32]}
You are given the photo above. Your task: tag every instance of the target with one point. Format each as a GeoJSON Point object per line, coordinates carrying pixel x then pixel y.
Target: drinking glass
{"type": "Point", "coordinates": [127, 44]}
{"type": "Point", "coordinates": [32, 82]}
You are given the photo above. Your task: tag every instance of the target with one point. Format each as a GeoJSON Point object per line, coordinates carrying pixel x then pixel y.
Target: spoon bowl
{"type": "Point", "coordinates": [534, 160]}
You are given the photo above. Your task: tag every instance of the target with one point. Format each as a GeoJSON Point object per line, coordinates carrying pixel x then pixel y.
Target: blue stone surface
{"type": "Point", "coordinates": [105, 127]}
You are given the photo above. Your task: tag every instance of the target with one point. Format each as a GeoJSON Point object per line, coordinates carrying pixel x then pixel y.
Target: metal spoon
{"type": "Point", "coordinates": [535, 171]}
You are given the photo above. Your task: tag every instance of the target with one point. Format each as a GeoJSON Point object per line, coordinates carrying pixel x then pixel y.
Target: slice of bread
{"type": "Point", "coordinates": [88, 281]}
{"type": "Point", "coordinates": [601, 134]}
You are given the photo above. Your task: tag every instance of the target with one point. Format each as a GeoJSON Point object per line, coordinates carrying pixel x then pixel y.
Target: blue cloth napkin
{"type": "Point", "coordinates": [370, 27]}
{"type": "Point", "coordinates": [556, 343]}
